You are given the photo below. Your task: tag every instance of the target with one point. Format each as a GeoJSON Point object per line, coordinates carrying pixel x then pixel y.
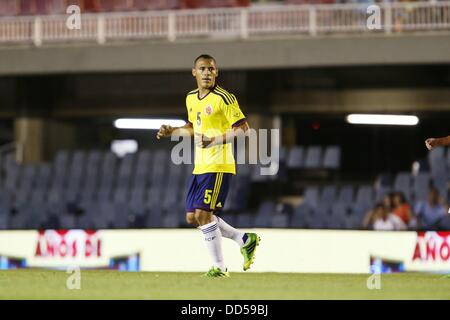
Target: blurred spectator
{"type": "Point", "coordinates": [381, 217]}
{"type": "Point", "coordinates": [383, 220]}
{"type": "Point", "coordinates": [402, 208]}
{"type": "Point", "coordinates": [431, 211]}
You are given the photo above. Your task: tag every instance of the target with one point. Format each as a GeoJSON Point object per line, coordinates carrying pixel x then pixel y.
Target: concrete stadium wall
{"type": "Point", "coordinates": [377, 49]}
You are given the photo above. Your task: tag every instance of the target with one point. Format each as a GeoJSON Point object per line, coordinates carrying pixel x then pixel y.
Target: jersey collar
{"type": "Point", "coordinates": [210, 90]}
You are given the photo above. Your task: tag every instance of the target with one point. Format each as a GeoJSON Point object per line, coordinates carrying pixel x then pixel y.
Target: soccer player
{"type": "Point", "coordinates": [437, 142]}
{"type": "Point", "coordinates": [215, 119]}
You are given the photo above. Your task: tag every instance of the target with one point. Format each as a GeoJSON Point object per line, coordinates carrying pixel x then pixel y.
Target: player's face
{"type": "Point", "coordinates": [205, 72]}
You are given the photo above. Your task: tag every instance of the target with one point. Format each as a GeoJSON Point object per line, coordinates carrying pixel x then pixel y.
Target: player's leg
{"type": "Point", "coordinates": [190, 199]}
{"type": "Point", "coordinates": [190, 218]}
{"type": "Point", "coordinates": [247, 241]}
{"type": "Point", "coordinates": [230, 232]}
{"type": "Point", "coordinates": [206, 190]}
{"type": "Point", "coordinates": [213, 240]}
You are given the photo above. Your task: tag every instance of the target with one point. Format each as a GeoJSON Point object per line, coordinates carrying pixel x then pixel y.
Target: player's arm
{"type": "Point", "coordinates": [167, 131]}
{"type": "Point", "coordinates": [437, 142]}
{"type": "Point", "coordinates": [239, 130]}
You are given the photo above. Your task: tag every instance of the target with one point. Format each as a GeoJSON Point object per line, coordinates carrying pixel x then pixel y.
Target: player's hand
{"type": "Point", "coordinates": [164, 131]}
{"type": "Point", "coordinates": [203, 141]}
{"type": "Point", "coordinates": [430, 143]}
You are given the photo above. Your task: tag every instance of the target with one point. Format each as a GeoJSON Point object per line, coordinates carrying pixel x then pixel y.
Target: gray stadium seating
{"type": "Point", "coordinates": [295, 158]}
{"type": "Point", "coordinates": [313, 157]}
{"type": "Point", "coordinates": [332, 158]}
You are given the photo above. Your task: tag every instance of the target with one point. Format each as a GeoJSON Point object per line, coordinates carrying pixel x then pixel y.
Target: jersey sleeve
{"type": "Point", "coordinates": [233, 112]}
{"type": "Point", "coordinates": [189, 111]}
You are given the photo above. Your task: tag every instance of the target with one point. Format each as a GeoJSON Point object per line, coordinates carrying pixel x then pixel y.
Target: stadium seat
{"type": "Point", "coordinates": [313, 157]}
{"type": "Point", "coordinates": [43, 177]}
{"type": "Point", "coordinates": [245, 220]}
{"type": "Point", "coordinates": [90, 211]}
{"type": "Point", "coordinates": [317, 221]}
{"type": "Point", "coordinates": [105, 194]}
{"type": "Point", "coordinates": [320, 217]}
{"type": "Point", "coordinates": [380, 192]}
{"type": "Point", "coordinates": [384, 180]}
{"type": "Point", "coordinates": [280, 220]}
{"type": "Point", "coordinates": [440, 183]}
{"type": "Point", "coordinates": [170, 197]}
{"type": "Point", "coordinates": [332, 158]}
{"type": "Point", "coordinates": [154, 218]}
{"type": "Point", "coordinates": [76, 172]}
{"type": "Point", "coordinates": [12, 177]}
{"type": "Point", "coordinates": [301, 216]}
{"type": "Point", "coordinates": [263, 218]}
{"type": "Point", "coordinates": [141, 173]}
{"type": "Point", "coordinates": [365, 195]}
{"type": "Point", "coordinates": [9, 160]}
{"type": "Point", "coordinates": [85, 222]}
{"type": "Point", "coordinates": [359, 210]}
{"type": "Point", "coordinates": [137, 201]}
{"type": "Point", "coordinates": [102, 219]}
{"type": "Point", "coordinates": [126, 170]}
{"type": "Point", "coordinates": [345, 194]}
{"type": "Point", "coordinates": [421, 185]}
{"type": "Point", "coordinates": [311, 196]}
{"type": "Point", "coordinates": [328, 194]}
{"type": "Point", "coordinates": [67, 221]}
{"type": "Point", "coordinates": [60, 169]}
{"type": "Point", "coordinates": [27, 180]}
{"type": "Point", "coordinates": [402, 183]}
{"type": "Point", "coordinates": [228, 218]}
{"type": "Point", "coordinates": [4, 220]}
{"type": "Point", "coordinates": [108, 171]}
{"type": "Point", "coordinates": [339, 214]}
{"type": "Point", "coordinates": [121, 195]}
{"type": "Point", "coordinates": [38, 196]}
{"type": "Point", "coordinates": [295, 158]}
{"type": "Point", "coordinates": [94, 160]}
{"type": "Point", "coordinates": [22, 197]}
{"type": "Point", "coordinates": [444, 223]}
{"type": "Point", "coordinates": [159, 171]}
{"type": "Point", "coordinates": [17, 221]}
{"type": "Point", "coordinates": [170, 220]}
{"type": "Point", "coordinates": [121, 216]}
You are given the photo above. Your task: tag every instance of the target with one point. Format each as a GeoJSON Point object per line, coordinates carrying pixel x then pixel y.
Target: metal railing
{"type": "Point", "coordinates": [228, 23]}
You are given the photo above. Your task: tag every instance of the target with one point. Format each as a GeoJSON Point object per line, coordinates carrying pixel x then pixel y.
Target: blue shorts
{"type": "Point", "coordinates": [207, 191]}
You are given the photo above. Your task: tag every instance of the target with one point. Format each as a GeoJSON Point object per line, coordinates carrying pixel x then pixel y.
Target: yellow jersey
{"type": "Point", "coordinates": [214, 115]}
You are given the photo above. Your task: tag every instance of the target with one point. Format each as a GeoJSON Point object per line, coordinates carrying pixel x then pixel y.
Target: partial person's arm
{"type": "Point", "coordinates": [437, 142]}
{"type": "Point", "coordinates": [203, 141]}
{"type": "Point", "coordinates": [166, 131]}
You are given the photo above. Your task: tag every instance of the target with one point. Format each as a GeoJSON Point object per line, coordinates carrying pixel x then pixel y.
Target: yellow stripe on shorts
{"type": "Point", "coordinates": [217, 189]}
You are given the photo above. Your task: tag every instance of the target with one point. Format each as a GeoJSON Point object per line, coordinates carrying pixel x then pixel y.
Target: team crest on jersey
{"type": "Point", "coordinates": [208, 110]}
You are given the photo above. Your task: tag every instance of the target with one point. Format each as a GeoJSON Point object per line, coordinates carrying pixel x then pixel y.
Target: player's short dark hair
{"type": "Point", "coordinates": [379, 205]}
{"type": "Point", "coordinates": [204, 56]}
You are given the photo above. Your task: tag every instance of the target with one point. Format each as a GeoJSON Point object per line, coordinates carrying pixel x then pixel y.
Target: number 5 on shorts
{"type": "Point", "coordinates": [207, 199]}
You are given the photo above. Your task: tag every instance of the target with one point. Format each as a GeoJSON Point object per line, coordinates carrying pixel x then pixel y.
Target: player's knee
{"type": "Point", "coordinates": [190, 219]}
{"type": "Point", "coordinates": [202, 217]}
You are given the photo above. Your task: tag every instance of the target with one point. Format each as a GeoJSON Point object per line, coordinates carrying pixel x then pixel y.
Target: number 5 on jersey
{"type": "Point", "coordinates": [207, 199]}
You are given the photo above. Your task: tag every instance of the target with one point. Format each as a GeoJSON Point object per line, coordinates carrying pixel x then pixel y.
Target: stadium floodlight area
{"type": "Point", "coordinates": [147, 124]}
{"type": "Point", "coordinates": [383, 119]}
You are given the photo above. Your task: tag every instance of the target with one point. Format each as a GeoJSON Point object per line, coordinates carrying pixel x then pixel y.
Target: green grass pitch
{"type": "Point", "coordinates": [99, 284]}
